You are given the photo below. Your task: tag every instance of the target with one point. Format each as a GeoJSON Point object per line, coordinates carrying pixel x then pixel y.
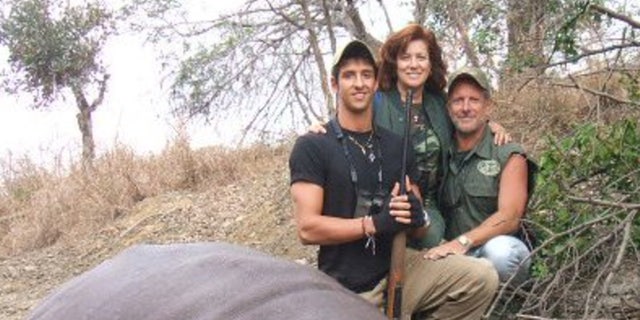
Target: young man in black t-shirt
{"type": "Point", "coordinates": [344, 186]}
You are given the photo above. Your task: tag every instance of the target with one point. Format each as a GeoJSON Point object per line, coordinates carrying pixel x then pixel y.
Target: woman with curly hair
{"type": "Point", "coordinates": [412, 58]}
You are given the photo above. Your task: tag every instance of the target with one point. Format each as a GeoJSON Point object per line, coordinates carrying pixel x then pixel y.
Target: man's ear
{"type": "Point", "coordinates": [490, 106]}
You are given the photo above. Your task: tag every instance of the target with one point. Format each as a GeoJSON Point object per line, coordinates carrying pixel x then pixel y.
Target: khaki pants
{"type": "Point", "coordinates": [456, 287]}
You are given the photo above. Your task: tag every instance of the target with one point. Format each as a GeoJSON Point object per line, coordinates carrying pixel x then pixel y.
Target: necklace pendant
{"type": "Point", "coordinates": [372, 157]}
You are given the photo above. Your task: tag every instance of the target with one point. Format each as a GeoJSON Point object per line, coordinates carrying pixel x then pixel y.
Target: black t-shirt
{"type": "Point", "coordinates": [320, 159]}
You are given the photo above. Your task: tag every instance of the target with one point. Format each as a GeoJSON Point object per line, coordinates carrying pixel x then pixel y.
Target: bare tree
{"type": "Point", "coordinates": [269, 65]}
{"type": "Point", "coordinates": [271, 55]}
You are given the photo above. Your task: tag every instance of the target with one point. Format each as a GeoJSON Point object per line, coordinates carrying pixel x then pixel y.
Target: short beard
{"type": "Point", "coordinates": [464, 132]}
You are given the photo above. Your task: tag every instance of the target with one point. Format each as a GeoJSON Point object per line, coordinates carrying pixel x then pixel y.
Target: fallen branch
{"type": "Point", "coordinates": [621, 205]}
{"type": "Point", "coordinates": [573, 264]}
{"type": "Point", "coordinates": [616, 265]}
{"type": "Point", "coordinates": [594, 284]}
{"type": "Point", "coordinates": [575, 231]}
{"type": "Point", "coordinates": [526, 316]}
{"type": "Point", "coordinates": [591, 53]}
{"type": "Point", "coordinates": [595, 92]}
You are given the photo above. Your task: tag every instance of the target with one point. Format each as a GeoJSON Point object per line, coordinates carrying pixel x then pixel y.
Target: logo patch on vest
{"type": "Point", "coordinates": [489, 167]}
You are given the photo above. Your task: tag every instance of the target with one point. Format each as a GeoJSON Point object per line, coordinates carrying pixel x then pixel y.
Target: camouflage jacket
{"type": "Point", "coordinates": [431, 136]}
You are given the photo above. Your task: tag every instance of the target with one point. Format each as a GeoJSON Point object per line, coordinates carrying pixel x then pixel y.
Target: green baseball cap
{"type": "Point", "coordinates": [353, 49]}
{"type": "Point", "coordinates": [473, 73]}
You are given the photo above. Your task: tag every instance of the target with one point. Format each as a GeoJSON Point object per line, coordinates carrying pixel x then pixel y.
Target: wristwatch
{"type": "Point", "coordinates": [464, 241]}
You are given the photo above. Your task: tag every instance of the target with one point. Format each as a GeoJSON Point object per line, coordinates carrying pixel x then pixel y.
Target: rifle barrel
{"type": "Point", "coordinates": [396, 272]}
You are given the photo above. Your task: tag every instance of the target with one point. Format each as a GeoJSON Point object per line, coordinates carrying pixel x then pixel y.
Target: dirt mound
{"type": "Point", "coordinates": [252, 211]}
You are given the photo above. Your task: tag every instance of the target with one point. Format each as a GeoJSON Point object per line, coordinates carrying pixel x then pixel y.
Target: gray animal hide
{"type": "Point", "coordinates": [202, 281]}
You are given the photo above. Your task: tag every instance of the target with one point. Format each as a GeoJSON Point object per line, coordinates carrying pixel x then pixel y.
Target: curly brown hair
{"type": "Point", "coordinates": [398, 43]}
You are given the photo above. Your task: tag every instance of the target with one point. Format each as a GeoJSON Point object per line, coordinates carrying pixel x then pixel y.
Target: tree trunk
{"type": "Point", "coordinates": [357, 28]}
{"type": "Point", "coordinates": [84, 118]}
{"type": "Point", "coordinates": [420, 11]}
{"type": "Point", "coordinates": [329, 22]}
{"type": "Point", "coordinates": [526, 27]}
{"type": "Point", "coordinates": [462, 28]}
{"type": "Point", "coordinates": [86, 129]}
{"type": "Point", "coordinates": [315, 47]}
{"type": "Point", "coordinates": [85, 125]}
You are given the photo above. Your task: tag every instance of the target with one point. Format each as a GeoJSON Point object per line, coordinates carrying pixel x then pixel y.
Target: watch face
{"type": "Point", "coordinates": [464, 241]}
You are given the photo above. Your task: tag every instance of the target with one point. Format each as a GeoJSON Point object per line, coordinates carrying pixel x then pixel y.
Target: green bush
{"type": "Point", "coordinates": [595, 168]}
{"type": "Point", "coordinates": [586, 215]}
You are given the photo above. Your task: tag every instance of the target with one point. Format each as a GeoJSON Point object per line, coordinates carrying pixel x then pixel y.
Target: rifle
{"type": "Point", "coordinates": [396, 272]}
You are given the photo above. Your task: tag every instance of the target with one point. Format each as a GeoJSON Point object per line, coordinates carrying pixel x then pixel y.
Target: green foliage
{"type": "Point", "coordinates": [521, 62]}
{"type": "Point", "coordinates": [587, 197]}
{"type": "Point", "coordinates": [571, 19]}
{"type": "Point", "coordinates": [566, 36]}
{"type": "Point", "coordinates": [53, 45]}
{"type": "Point", "coordinates": [486, 40]}
{"type": "Point", "coordinates": [593, 163]}
{"type": "Point", "coordinates": [630, 81]}
{"type": "Point", "coordinates": [486, 27]}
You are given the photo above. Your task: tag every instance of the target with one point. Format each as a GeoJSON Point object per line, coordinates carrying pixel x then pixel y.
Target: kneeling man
{"type": "Point", "coordinates": [486, 187]}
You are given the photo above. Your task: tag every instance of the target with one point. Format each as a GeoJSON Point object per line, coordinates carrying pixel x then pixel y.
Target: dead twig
{"type": "Point", "coordinates": [615, 15]}
{"type": "Point", "coordinates": [594, 284]}
{"type": "Point", "coordinates": [631, 44]}
{"type": "Point", "coordinates": [537, 300]}
{"type": "Point", "coordinates": [621, 205]}
{"type": "Point", "coordinates": [595, 92]}
{"type": "Point", "coordinates": [577, 230]}
{"type": "Point", "coordinates": [628, 223]}
{"type": "Point", "coordinates": [526, 316]}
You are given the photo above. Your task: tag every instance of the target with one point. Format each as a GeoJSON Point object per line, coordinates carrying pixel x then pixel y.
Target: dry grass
{"type": "Point", "coordinates": [39, 207]}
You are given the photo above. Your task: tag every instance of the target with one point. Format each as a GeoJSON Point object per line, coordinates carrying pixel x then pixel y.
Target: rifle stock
{"type": "Point", "coordinates": [396, 272]}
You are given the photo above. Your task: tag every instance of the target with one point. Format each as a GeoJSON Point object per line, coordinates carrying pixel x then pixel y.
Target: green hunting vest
{"type": "Point", "coordinates": [430, 142]}
{"type": "Point", "coordinates": [472, 183]}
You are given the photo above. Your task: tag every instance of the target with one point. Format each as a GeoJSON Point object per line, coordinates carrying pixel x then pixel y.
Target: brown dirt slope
{"type": "Point", "coordinates": [254, 210]}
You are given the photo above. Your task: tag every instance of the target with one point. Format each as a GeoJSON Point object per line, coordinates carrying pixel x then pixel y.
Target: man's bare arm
{"type": "Point", "coordinates": [315, 228]}
{"type": "Point", "coordinates": [512, 201]}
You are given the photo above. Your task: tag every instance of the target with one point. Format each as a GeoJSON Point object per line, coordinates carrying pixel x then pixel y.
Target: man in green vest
{"type": "Point", "coordinates": [486, 187]}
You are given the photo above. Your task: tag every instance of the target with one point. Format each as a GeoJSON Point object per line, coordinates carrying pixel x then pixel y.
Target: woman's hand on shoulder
{"type": "Point", "coordinates": [317, 127]}
{"type": "Point", "coordinates": [501, 136]}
